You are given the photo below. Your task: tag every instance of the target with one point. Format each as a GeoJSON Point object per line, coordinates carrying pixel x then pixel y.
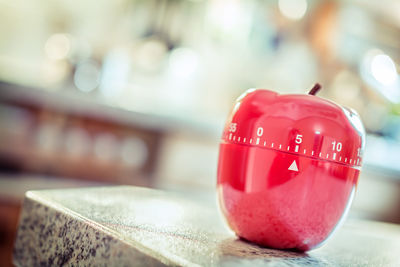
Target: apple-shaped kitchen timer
{"type": "Point", "coordinates": [288, 168]}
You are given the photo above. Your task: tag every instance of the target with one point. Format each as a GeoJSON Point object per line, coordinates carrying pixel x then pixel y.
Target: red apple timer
{"type": "Point", "coordinates": [288, 168]}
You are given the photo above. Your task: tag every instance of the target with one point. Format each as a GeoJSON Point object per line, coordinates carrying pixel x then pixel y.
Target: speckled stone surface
{"type": "Point", "coordinates": [131, 226]}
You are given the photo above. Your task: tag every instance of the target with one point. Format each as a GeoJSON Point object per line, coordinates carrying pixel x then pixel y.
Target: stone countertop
{"type": "Point", "coordinates": [125, 226]}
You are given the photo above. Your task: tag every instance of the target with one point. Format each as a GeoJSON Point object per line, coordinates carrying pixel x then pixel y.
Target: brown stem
{"type": "Point", "coordinates": [315, 89]}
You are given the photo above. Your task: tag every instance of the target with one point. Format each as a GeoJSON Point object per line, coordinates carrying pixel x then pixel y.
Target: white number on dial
{"type": "Point", "coordinates": [336, 146]}
{"type": "Point", "coordinates": [260, 131]}
{"type": "Point", "coordinates": [232, 127]}
{"type": "Point", "coordinates": [299, 139]}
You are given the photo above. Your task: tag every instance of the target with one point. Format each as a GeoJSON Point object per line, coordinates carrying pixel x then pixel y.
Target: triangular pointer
{"type": "Point", "coordinates": [293, 166]}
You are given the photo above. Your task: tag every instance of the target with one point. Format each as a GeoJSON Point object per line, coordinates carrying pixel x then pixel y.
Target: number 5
{"type": "Point", "coordinates": [299, 139]}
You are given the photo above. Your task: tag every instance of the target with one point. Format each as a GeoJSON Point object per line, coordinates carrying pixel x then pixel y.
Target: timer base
{"type": "Point", "coordinates": [296, 205]}
{"type": "Point", "coordinates": [125, 226]}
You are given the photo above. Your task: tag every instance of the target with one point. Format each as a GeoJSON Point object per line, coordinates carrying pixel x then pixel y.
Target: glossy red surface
{"type": "Point", "coordinates": [288, 168]}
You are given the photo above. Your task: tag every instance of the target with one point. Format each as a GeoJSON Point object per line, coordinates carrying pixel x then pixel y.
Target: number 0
{"type": "Point", "coordinates": [339, 146]}
{"type": "Point", "coordinates": [260, 131]}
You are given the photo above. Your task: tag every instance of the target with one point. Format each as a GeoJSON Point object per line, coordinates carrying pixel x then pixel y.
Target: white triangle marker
{"type": "Point", "coordinates": [293, 166]}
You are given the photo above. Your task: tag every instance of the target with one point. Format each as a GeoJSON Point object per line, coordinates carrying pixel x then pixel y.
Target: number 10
{"type": "Point", "coordinates": [337, 146]}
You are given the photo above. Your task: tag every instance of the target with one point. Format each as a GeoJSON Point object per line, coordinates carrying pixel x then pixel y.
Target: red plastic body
{"type": "Point", "coordinates": [288, 168]}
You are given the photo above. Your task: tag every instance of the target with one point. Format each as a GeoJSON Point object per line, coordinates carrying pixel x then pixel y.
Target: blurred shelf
{"type": "Point", "coordinates": [73, 102]}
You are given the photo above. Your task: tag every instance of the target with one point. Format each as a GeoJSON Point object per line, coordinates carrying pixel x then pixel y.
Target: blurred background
{"type": "Point", "coordinates": [101, 92]}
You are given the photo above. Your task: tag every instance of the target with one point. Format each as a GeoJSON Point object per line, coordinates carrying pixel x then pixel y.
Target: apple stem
{"type": "Point", "coordinates": [315, 89]}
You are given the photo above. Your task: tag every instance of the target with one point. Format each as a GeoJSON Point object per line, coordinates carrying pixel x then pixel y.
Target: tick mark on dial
{"type": "Point", "coordinates": [272, 145]}
{"type": "Point", "coordinates": [234, 137]}
{"type": "Point", "coordinates": [239, 138]}
{"type": "Point", "coordinates": [244, 140]}
{"type": "Point", "coordinates": [304, 151]}
{"type": "Point", "coordinates": [327, 155]}
{"type": "Point", "coordinates": [251, 140]}
{"type": "Point", "coordinates": [280, 146]}
{"type": "Point", "coordinates": [288, 147]}
{"type": "Point", "coordinates": [320, 154]}
{"type": "Point", "coordinates": [265, 142]}
{"type": "Point", "coordinates": [312, 153]}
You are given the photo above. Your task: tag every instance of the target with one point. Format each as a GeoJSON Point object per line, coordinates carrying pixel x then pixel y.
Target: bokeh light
{"type": "Point", "coordinates": [183, 63]}
{"type": "Point", "coordinates": [383, 69]}
{"type": "Point", "coordinates": [87, 76]}
{"type": "Point", "coordinates": [58, 46]}
{"type": "Point", "coordinates": [293, 9]}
